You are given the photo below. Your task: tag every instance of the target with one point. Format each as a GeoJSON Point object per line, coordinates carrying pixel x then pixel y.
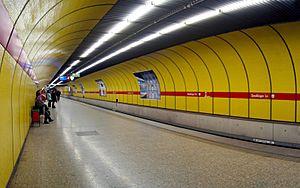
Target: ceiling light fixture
{"type": "Point", "coordinates": [171, 28]}
{"type": "Point", "coordinates": [135, 15]}
{"type": "Point", "coordinates": [53, 85]}
{"type": "Point", "coordinates": [151, 37]}
{"type": "Point", "coordinates": [65, 71]}
{"type": "Point", "coordinates": [202, 16]}
{"type": "Point", "coordinates": [119, 27]}
{"type": "Point", "coordinates": [75, 63]}
{"type": "Point", "coordinates": [157, 2]}
{"type": "Point", "coordinates": [54, 81]}
{"type": "Point", "coordinates": [195, 19]}
{"type": "Point", "coordinates": [243, 4]}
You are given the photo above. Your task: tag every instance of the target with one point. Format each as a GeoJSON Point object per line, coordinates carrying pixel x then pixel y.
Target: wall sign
{"type": "Point", "coordinates": [82, 88]}
{"type": "Point", "coordinates": [101, 87]}
{"type": "Point", "coordinates": [149, 85]}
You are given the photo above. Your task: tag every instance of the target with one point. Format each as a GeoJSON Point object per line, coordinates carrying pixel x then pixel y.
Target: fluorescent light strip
{"type": "Point", "coordinates": [201, 17]}
{"type": "Point", "coordinates": [54, 81]}
{"type": "Point", "coordinates": [142, 10]}
{"type": "Point", "coordinates": [171, 28]}
{"type": "Point", "coordinates": [195, 19]}
{"type": "Point", "coordinates": [53, 85]}
{"type": "Point", "coordinates": [75, 63]}
{"type": "Point", "coordinates": [139, 12]}
{"type": "Point", "coordinates": [65, 71]}
{"type": "Point", "coordinates": [151, 37]}
{"type": "Point", "coordinates": [242, 4]}
{"type": "Point", "coordinates": [136, 14]}
{"type": "Point", "coordinates": [119, 27]}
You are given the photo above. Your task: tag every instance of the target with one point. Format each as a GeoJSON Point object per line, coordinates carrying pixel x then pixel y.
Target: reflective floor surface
{"type": "Point", "coordinates": [90, 147]}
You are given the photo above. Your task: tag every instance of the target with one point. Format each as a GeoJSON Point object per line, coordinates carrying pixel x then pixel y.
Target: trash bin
{"type": "Point", "coordinates": [35, 116]}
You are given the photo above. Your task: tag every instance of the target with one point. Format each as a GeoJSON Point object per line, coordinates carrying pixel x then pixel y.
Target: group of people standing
{"type": "Point", "coordinates": [52, 96]}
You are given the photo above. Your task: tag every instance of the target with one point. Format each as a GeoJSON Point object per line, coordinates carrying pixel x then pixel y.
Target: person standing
{"type": "Point", "coordinates": [58, 93]}
{"type": "Point", "coordinates": [53, 97]}
{"type": "Point", "coordinates": [49, 98]}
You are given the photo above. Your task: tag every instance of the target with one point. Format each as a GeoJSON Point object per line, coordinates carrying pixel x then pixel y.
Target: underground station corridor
{"type": "Point", "coordinates": [149, 93]}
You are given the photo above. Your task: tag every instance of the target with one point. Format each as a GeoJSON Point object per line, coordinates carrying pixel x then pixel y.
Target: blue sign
{"type": "Point", "coordinates": [63, 78]}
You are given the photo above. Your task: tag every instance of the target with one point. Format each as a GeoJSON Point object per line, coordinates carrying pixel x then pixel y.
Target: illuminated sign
{"type": "Point", "coordinates": [63, 78]}
{"type": "Point", "coordinates": [76, 75]}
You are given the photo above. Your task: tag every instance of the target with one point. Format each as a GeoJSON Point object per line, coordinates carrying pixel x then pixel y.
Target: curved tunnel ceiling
{"type": "Point", "coordinates": [50, 31]}
{"type": "Point", "coordinates": [171, 12]}
{"type": "Point", "coordinates": [56, 33]}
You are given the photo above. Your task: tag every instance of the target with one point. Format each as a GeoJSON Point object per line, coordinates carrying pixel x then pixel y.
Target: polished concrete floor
{"type": "Point", "coordinates": [90, 147]}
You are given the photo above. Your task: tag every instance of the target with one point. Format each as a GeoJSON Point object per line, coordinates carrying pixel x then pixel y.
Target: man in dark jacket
{"type": "Point", "coordinates": [58, 93]}
{"type": "Point", "coordinates": [53, 97]}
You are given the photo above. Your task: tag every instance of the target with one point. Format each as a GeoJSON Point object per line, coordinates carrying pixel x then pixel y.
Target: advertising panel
{"type": "Point", "coordinates": [81, 88]}
{"type": "Point", "coordinates": [149, 85]}
{"type": "Point", "coordinates": [70, 90]}
{"type": "Point", "coordinates": [101, 87]}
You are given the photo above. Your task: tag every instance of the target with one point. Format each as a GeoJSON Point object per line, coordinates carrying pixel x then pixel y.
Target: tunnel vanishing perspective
{"type": "Point", "coordinates": [227, 68]}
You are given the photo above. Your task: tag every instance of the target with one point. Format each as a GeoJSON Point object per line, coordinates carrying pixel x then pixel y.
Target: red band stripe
{"type": "Point", "coordinates": [234, 95]}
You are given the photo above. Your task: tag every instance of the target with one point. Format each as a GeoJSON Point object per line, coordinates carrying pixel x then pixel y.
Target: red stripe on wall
{"type": "Point", "coordinates": [285, 96]}
{"type": "Point", "coordinates": [239, 95]}
{"type": "Point", "coordinates": [235, 95]}
{"type": "Point", "coordinates": [221, 94]}
{"type": "Point", "coordinates": [167, 93]}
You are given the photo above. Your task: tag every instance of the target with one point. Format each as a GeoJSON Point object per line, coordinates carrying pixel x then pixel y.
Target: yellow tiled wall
{"type": "Point", "coordinates": [17, 94]}
{"type": "Point", "coordinates": [263, 60]}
